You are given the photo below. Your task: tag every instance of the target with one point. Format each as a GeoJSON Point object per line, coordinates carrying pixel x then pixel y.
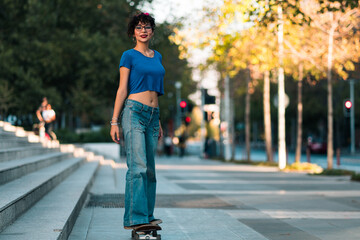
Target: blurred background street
{"type": "Point", "coordinates": [346, 161]}
{"type": "Point", "coordinates": [266, 91]}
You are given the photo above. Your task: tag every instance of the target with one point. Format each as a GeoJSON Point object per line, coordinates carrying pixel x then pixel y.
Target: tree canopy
{"type": "Point", "coordinates": [69, 52]}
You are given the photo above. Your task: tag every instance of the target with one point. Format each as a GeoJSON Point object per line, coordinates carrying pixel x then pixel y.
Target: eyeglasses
{"type": "Point", "coordinates": [147, 28]}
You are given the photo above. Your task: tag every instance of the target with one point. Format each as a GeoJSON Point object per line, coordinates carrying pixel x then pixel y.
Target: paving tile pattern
{"type": "Point", "coordinates": [163, 201]}
{"type": "Point", "coordinates": [201, 199]}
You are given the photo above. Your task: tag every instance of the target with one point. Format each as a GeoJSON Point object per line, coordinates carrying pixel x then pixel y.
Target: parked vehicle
{"type": "Point", "coordinates": [316, 145]}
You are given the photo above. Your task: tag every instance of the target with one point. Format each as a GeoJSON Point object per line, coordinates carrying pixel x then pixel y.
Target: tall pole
{"type": "Point", "coordinates": [178, 99]}
{"type": "Point", "coordinates": [267, 117]}
{"type": "Point", "coordinates": [352, 117]}
{"type": "Point", "coordinates": [300, 114]}
{"type": "Point", "coordinates": [330, 135]}
{"type": "Point", "coordinates": [247, 116]}
{"type": "Point", "coordinates": [202, 129]}
{"type": "Point", "coordinates": [227, 153]}
{"type": "Point", "coordinates": [281, 93]}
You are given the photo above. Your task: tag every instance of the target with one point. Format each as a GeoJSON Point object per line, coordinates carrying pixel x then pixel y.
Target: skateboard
{"type": "Point", "coordinates": [147, 231]}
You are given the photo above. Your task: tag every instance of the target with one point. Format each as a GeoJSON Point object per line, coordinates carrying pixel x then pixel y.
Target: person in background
{"type": "Point", "coordinates": [49, 117]}
{"type": "Point", "coordinates": [182, 144]}
{"type": "Point", "coordinates": [168, 145]}
{"type": "Point", "coordinates": [41, 108]}
{"type": "Point", "coordinates": [136, 106]}
{"type": "Point", "coordinates": [39, 127]}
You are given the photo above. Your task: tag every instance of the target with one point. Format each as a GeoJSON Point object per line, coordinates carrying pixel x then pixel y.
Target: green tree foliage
{"type": "Point", "coordinates": [69, 51]}
{"type": "Point", "coordinates": [6, 97]}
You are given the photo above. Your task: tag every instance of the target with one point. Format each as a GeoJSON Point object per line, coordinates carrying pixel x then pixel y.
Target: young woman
{"type": "Point", "coordinates": [141, 83]}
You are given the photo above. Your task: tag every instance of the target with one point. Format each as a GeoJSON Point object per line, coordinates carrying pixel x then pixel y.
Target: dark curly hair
{"type": "Point", "coordinates": [143, 18]}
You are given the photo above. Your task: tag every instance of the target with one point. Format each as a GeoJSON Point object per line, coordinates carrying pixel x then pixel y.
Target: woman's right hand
{"type": "Point", "coordinates": [115, 133]}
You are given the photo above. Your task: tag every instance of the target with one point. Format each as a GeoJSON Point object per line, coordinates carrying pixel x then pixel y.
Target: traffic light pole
{"type": "Point", "coordinates": [352, 116]}
{"type": "Point", "coordinates": [178, 108]}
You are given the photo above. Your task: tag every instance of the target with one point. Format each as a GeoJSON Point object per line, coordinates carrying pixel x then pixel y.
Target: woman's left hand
{"type": "Point", "coordinates": [160, 131]}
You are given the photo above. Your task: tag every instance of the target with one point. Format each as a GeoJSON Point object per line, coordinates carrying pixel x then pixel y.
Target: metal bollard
{"type": "Point", "coordinates": [308, 155]}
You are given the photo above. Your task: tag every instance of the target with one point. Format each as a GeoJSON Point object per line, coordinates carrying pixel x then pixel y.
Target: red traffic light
{"type": "Point", "coordinates": [188, 119]}
{"type": "Point", "coordinates": [348, 104]}
{"type": "Point", "coordinates": [183, 104]}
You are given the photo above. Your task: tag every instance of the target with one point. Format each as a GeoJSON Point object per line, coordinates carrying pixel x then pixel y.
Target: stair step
{"type": "Point", "coordinates": [55, 214]}
{"type": "Point", "coordinates": [23, 152]}
{"type": "Point", "coordinates": [17, 168]}
{"type": "Point", "coordinates": [7, 135]}
{"type": "Point", "coordinates": [17, 142]}
{"type": "Point", "coordinates": [19, 195]}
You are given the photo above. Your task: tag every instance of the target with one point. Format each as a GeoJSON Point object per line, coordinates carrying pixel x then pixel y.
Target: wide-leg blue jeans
{"type": "Point", "coordinates": [140, 125]}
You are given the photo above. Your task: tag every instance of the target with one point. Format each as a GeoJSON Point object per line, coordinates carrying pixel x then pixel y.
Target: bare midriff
{"type": "Point", "coordinates": [149, 98]}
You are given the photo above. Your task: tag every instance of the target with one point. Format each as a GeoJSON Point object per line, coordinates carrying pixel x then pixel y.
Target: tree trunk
{"type": "Point", "coordinates": [281, 95]}
{"type": "Point", "coordinates": [267, 117]}
{"type": "Point", "coordinates": [330, 149]}
{"type": "Point", "coordinates": [247, 115]}
{"type": "Point", "coordinates": [299, 117]}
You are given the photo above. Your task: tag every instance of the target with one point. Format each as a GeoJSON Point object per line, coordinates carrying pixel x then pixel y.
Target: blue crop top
{"type": "Point", "coordinates": [146, 74]}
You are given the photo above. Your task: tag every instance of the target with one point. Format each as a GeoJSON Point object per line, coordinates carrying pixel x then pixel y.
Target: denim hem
{"type": "Point", "coordinates": [126, 224]}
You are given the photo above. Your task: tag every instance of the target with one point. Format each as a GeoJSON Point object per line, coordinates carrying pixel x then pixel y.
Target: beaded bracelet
{"type": "Point", "coordinates": [114, 123]}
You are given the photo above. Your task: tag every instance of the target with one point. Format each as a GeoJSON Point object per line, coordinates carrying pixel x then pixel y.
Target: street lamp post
{"type": "Point", "coordinates": [227, 140]}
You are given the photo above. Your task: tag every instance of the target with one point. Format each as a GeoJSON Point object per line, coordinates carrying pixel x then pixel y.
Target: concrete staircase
{"type": "Point", "coordinates": [43, 185]}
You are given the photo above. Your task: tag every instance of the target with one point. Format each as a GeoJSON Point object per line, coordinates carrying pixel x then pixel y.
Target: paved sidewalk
{"type": "Point", "coordinates": [346, 161]}
{"type": "Point", "coordinates": [203, 199]}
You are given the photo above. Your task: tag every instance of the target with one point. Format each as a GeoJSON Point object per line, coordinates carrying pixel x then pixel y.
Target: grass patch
{"type": "Point", "coordinates": [355, 177]}
{"type": "Point", "coordinates": [304, 167]}
{"type": "Point", "coordinates": [336, 172]}
{"type": "Point", "coordinates": [254, 163]}
{"type": "Point", "coordinates": [340, 172]}
{"type": "Point", "coordinates": [69, 136]}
